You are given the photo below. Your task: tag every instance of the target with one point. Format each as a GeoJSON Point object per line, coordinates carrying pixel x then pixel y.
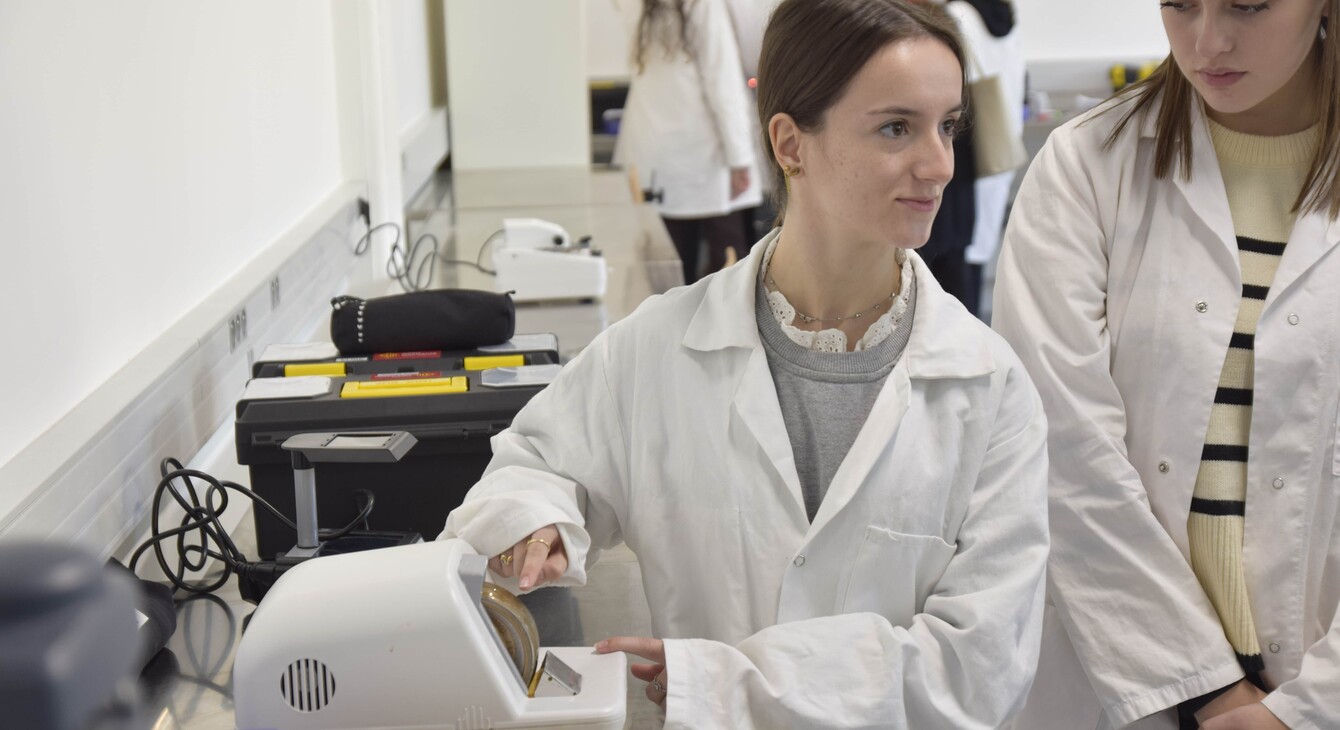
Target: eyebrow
{"type": "Point", "coordinates": [906, 112]}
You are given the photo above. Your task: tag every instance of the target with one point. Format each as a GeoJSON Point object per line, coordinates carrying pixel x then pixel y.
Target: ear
{"type": "Point", "coordinates": [784, 135]}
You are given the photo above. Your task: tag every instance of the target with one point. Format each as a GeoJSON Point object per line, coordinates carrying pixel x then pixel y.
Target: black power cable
{"type": "Point", "coordinates": [202, 519]}
{"type": "Point", "coordinates": [410, 266]}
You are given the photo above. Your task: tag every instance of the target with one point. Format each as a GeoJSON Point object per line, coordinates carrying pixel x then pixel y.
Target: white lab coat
{"type": "Point", "coordinates": [1100, 287]}
{"type": "Point", "coordinates": [914, 598]}
{"type": "Point", "coordinates": [992, 56]}
{"type": "Point", "coordinates": [686, 121]}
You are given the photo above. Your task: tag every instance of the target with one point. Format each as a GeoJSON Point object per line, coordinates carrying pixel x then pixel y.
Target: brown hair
{"type": "Point", "coordinates": [1172, 137]}
{"type": "Point", "coordinates": [664, 23]}
{"type": "Point", "coordinates": [813, 48]}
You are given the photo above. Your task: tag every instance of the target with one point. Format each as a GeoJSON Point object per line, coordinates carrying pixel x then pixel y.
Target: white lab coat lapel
{"type": "Point", "coordinates": [1314, 235]}
{"type": "Point", "coordinates": [877, 435]}
{"type": "Point", "coordinates": [935, 349]}
{"type": "Point", "coordinates": [757, 405]}
{"type": "Point", "coordinates": [725, 322]}
{"type": "Point", "coordinates": [1204, 191]}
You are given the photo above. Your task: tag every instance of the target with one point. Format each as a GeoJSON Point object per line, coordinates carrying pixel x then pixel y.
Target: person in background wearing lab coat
{"type": "Point", "coordinates": [991, 33]}
{"type": "Point", "coordinates": [840, 519]}
{"type": "Point", "coordinates": [686, 127]}
{"type": "Point", "coordinates": [1171, 278]}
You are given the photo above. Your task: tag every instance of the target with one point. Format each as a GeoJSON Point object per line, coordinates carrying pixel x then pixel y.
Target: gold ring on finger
{"type": "Point", "coordinates": [506, 558]}
{"type": "Point", "coordinates": [536, 539]}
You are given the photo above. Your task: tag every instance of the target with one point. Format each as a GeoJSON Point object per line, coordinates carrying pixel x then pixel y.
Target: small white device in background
{"type": "Point", "coordinates": [537, 260]}
{"type": "Point", "coordinates": [412, 637]}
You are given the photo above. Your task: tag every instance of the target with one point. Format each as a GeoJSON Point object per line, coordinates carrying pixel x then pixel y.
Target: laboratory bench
{"type": "Point", "coordinates": [461, 210]}
{"type": "Point", "coordinates": [189, 684]}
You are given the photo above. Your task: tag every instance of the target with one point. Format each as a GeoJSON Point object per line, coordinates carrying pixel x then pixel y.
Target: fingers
{"type": "Point", "coordinates": [646, 672]}
{"type": "Point", "coordinates": [658, 688]}
{"type": "Point", "coordinates": [655, 675]}
{"type": "Point", "coordinates": [656, 678]}
{"type": "Point", "coordinates": [500, 566]}
{"type": "Point", "coordinates": [739, 181]}
{"type": "Point", "coordinates": [538, 559]}
{"type": "Point", "coordinates": [647, 648]}
{"type": "Point", "coordinates": [534, 560]}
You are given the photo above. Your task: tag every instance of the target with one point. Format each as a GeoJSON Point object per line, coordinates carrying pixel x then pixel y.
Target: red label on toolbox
{"type": "Point", "coordinates": [407, 376]}
{"type": "Point", "coordinates": [416, 355]}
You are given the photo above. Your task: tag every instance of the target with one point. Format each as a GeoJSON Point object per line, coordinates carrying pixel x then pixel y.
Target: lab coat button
{"type": "Point", "coordinates": [1274, 648]}
{"type": "Point", "coordinates": [1293, 319]}
{"type": "Point", "coordinates": [1202, 307]}
{"type": "Point", "coordinates": [799, 561]}
{"type": "Point", "coordinates": [1278, 483]}
{"type": "Point", "coordinates": [1164, 467]}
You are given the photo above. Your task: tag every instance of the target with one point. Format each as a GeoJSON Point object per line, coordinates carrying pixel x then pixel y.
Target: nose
{"type": "Point", "coordinates": [936, 161]}
{"type": "Point", "coordinates": [1212, 39]}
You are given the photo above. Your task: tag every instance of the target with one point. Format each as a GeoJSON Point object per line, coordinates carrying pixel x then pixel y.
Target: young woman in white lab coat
{"type": "Point", "coordinates": [1171, 279]}
{"type": "Point", "coordinates": [686, 126]}
{"type": "Point", "coordinates": [909, 595]}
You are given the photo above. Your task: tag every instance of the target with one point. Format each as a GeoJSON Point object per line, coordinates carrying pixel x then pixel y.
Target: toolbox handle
{"type": "Point", "coordinates": [446, 432]}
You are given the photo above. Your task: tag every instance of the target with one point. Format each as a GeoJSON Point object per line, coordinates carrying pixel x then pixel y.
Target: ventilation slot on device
{"type": "Point", "coordinates": [307, 685]}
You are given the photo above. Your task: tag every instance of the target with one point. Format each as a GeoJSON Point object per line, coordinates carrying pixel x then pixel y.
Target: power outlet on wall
{"type": "Point", "coordinates": [237, 328]}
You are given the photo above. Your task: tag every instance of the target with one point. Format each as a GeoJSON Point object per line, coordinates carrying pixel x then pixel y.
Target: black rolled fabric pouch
{"type": "Point", "coordinates": [438, 319]}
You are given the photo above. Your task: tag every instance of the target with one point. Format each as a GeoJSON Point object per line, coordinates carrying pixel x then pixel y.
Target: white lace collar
{"type": "Point", "coordinates": [835, 340]}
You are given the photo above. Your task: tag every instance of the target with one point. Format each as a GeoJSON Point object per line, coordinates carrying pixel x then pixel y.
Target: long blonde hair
{"type": "Point", "coordinates": [1172, 145]}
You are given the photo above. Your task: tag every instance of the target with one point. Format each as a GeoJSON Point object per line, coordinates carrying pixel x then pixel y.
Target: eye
{"type": "Point", "coordinates": [894, 129]}
{"type": "Point", "coordinates": [1167, 4]}
{"type": "Point", "coordinates": [1252, 9]}
{"type": "Point", "coordinates": [950, 127]}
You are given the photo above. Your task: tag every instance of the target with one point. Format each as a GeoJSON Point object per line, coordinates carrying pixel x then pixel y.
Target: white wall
{"type": "Point", "coordinates": [420, 70]}
{"type": "Point", "coordinates": [148, 150]}
{"type": "Point", "coordinates": [414, 92]}
{"type": "Point", "coordinates": [1059, 30]}
{"type": "Point", "coordinates": [516, 72]}
{"type": "Point", "coordinates": [609, 45]}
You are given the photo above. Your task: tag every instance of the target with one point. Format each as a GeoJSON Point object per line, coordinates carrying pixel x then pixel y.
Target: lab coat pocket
{"type": "Point", "coordinates": [894, 573]}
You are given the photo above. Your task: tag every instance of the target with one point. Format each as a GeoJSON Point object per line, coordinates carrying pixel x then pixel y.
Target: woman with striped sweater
{"type": "Point", "coordinates": [1171, 279]}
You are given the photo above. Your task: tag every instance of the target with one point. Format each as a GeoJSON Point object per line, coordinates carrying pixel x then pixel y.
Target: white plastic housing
{"type": "Point", "coordinates": [533, 233]}
{"type": "Point", "coordinates": [394, 638]}
{"type": "Point", "coordinates": [549, 275]}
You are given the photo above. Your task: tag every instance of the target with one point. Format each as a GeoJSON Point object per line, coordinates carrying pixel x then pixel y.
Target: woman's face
{"type": "Point", "coordinates": [1245, 56]}
{"type": "Point", "coordinates": [883, 155]}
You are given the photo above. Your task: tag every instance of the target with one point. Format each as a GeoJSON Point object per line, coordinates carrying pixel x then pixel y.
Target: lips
{"type": "Point", "coordinates": [1220, 78]}
{"type": "Point", "coordinates": [921, 205]}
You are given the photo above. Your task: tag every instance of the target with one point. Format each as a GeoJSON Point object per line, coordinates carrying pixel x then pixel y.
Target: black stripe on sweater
{"type": "Point", "coordinates": [1256, 245]}
{"type": "Point", "coordinates": [1250, 291]}
{"type": "Point", "coordinates": [1251, 664]}
{"type": "Point", "coordinates": [1219, 507]}
{"type": "Point", "coordinates": [1223, 452]}
{"type": "Point", "coordinates": [1233, 396]}
{"type": "Point", "coordinates": [1243, 341]}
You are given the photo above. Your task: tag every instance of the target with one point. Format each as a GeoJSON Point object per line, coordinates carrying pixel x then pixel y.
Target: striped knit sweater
{"type": "Point", "coordinates": [1262, 177]}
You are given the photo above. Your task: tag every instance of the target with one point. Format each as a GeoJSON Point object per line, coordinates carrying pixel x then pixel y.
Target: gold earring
{"type": "Point", "coordinates": [789, 172]}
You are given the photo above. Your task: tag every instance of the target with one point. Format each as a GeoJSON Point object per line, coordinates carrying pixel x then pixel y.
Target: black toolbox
{"type": "Point", "coordinates": [451, 411]}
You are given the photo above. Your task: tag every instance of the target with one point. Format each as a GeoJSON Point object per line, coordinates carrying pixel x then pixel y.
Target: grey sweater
{"type": "Point", "coordinates": [826, 397]}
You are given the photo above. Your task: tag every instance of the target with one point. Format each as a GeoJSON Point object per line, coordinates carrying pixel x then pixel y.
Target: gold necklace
{"type": "Point", "coordinates": [808, 319]}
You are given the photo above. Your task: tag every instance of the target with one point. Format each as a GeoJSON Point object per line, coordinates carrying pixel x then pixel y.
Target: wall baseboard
{"type": "Point", "coordinates": [90, 478]}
